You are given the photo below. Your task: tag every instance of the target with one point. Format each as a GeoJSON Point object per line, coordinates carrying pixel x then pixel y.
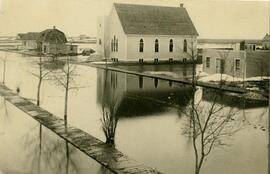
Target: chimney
{"type": "Point", "coordinates": [54, 27]}
{"type": "Point", "coordinates": [181, 5]}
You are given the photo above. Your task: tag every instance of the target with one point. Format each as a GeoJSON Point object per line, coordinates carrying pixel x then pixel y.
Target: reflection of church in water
{"type": "Point", "coordinates": [133, 95]}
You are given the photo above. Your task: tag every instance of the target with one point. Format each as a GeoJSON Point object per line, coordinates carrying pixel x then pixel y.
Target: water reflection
{"type": "Point", "coordinates": [46, 153]}
{"type": "Point", "coordinates": [175, 70]}
{"type": "Point", "coordinates": [138, 108]}
{"type": "Point", "coordinates": [4, 116]}
{"type": "Point", "coordinates": [4, 60]}
{"type": "Point", "coordinates": [35, 149]}
{"type": "Point", "coordinates": [232, 99]}
{"type": "Point", "coordinates": [140, 82]}
{"type": "Point", "coordinates": [139, 96]}
{"type": "Point", "coordinates": [156, 82]}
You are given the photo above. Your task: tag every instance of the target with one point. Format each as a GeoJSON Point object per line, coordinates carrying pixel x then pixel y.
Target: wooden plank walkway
{"type": "Point", "coordinates": [105, 154]}
{"type": "Point", "coordinates": [177, 80]}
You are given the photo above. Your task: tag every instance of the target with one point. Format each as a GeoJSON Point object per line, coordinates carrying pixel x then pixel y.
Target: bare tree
{"type": "Point", "coordinates": [41, 75]}
{"type": "Point", "coordinates": [224, 54]}
{"type": "Point", "coordinates": [210, 125]}
{"type": "Point", "coordinates": [109, 106]}
{"type": "Point", "coordinates": [192, 54]}
{"type": "Point", "coordinates": [66, 80]}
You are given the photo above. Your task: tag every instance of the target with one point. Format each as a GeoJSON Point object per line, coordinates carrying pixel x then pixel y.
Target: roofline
{"type": "Point", "coordinates": [197, 34]}
{"type": "Point", "coordinates": [148, 5]}
{"type": "Point", "coordinates": [162, 35]}
{"type": "Point", "coordinates": [228, 41]}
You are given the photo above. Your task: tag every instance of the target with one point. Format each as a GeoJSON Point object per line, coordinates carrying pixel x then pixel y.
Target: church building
{"type": "Point", "coordinates": [146, 33]}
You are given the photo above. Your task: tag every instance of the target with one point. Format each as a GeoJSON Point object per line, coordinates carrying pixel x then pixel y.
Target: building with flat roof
{"type": "Point", "coordinates": [237, 63]}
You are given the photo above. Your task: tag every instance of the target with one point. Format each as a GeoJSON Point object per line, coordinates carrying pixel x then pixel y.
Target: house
{"type": "Point", "coordinates": [52, 41]}
{"type": "Point", "coordinates": [28, 40]}
{"type": "Point", "coordinates": [237, 63]}
{"type": "Point", "coordinates": [146, 33]}
{"type": "Point", "coordinates": [266, 42]}
{"type": "Point", "coordinates": [49, 41]}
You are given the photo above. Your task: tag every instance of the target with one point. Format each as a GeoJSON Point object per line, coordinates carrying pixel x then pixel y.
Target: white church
{"type": "Point", "coordinates": [146, 33]}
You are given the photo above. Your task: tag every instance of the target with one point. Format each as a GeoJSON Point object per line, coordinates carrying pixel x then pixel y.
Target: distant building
{"type": "Point", "coordinates": [52, 41]}
{"type": "Point", "coordinates": [49, 41]}
{"type": "Point", "coordinates": [266, 42]}
{"type": "Point", "coordinates": [28, 40]}
{"type": "Point", "coordinates": [237, 63]}
{"type": "Point", "coordinates": [230, 44]}
{"type": "Point", "coordinates": [143, 32]}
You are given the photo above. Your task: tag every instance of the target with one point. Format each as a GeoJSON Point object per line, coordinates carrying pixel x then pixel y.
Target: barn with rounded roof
{"type": "Point", "coordinates": [49, 41]}
{"type": "Point", "coordinates": [52, 41]}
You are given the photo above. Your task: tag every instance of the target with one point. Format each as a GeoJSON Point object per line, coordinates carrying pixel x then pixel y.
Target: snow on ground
{"type": "Point", "coordinates": [257, 78]}
{"type": "Point", "coordinates": [166, 73]}
{"type": "Point", "coordinates": [217, 77]}
{"type": "Point", "coordinates": [101, 63]}
{"type": "Point", "coordinates": [204, 77]}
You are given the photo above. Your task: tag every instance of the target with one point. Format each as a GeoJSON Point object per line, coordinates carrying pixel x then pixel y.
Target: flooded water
{"type": "Point", "coordinates": [152, 116]}
{"type": "Point", "coordinates": [28, 147]}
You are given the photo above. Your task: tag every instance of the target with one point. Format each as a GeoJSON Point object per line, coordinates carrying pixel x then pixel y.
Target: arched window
{"type": "Point", "coordinates": [156, 45]}
{"type": "Point", "coordinates": [116, 45]}
{"type": "Point", "coordinates": [171, 46]}
{"type": "Point", "coordinates": [112, 45]}
{"type": "Point", "coordinates": [185, 46]}
{"type": "Point", "coordinates": [141, 45]}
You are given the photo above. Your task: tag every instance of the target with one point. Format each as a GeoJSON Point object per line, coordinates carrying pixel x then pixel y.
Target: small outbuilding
{"type": "Point", "coordinates": [49, 41]}
{"type": "Point", "coordinates": [28, 40]}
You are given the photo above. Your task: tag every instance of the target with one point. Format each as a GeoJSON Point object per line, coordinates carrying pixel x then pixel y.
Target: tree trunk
{"type": "Point", "coordinates": [66, 93]}
{"type": "Point", "coordinates": [38, 92]}
{"type": "Point", "coordinates": [66, 105]}
{"type": "Point", "coordinates": [4, 71]}
{"type": "Point", "coordinates": [109, 140]}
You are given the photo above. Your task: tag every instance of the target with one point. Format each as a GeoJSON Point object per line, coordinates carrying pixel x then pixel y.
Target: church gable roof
{"type": "Point", "coordinates": [155, 20]}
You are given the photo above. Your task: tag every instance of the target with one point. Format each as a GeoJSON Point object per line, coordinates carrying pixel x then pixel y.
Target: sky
{"type": "Point", "coordinates": [221, 19]}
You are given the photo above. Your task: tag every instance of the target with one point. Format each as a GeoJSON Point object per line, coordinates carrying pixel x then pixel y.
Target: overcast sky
{"type": "Point", "coordinates": [213, 19]}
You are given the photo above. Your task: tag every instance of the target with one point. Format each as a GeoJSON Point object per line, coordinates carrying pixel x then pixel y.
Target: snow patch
{"type": "Point", "coordinates": [218, 77]}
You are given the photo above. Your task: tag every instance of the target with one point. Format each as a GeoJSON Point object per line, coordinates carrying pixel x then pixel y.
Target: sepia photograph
{"type": "Point", "coordinates": [134, 87]}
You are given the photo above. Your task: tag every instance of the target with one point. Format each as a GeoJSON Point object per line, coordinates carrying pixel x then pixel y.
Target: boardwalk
{"type": "Point", "coordinates": [107, 155]}
{"type": "Point", "coordinates": [172, 79]}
